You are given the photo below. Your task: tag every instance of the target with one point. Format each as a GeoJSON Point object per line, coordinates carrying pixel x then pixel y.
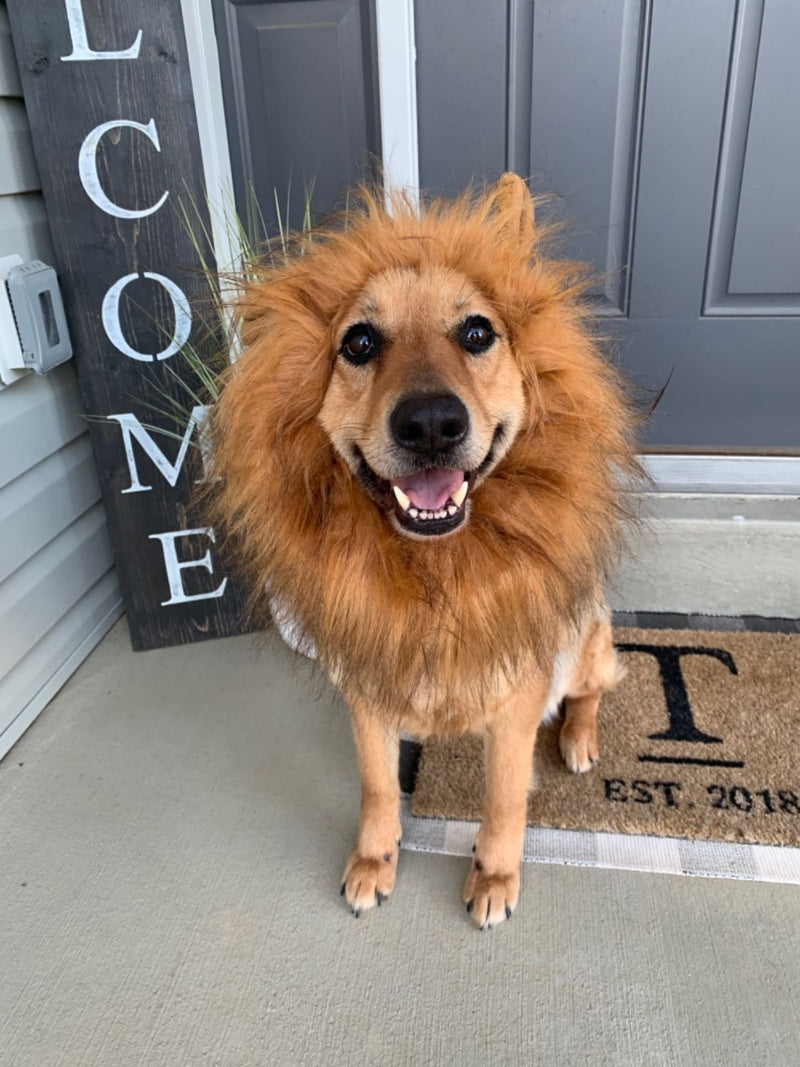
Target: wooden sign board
{"type": "Point", "coordinates": [109, 100]}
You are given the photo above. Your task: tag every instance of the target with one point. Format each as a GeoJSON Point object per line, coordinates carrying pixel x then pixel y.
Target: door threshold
{"type": "Point", "coordinates": [674, 472]}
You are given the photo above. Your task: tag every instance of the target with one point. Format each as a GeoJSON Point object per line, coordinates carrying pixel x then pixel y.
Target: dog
{"type": "Point", "coordinates": [423, 455]}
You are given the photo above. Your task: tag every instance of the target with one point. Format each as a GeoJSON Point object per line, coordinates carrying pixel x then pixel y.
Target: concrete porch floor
{"type": "Point", "coordinates": [172, 831]}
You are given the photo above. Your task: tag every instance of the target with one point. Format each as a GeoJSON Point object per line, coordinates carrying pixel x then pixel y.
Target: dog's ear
{"type": "Point", "coordinates": [512, 205]}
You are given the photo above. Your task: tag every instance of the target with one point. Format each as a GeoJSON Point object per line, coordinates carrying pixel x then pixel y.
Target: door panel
{"type": "Point", "coordinates": [529, 90]}
{"type": "Point", "coordinates": [587, 63]}
{"type": "Point", "coordinates": [734, 384]}
{"type": "Point", "coordinates": [461, 92]}
{"type": "Point", "coordinates": [299, 82]}
{"type": "Point", "coordinates": [755, 263]}
{"type": "Point", "coordinates": [735, 381]}
{"type": "Point", "coordinates": [684, 107]}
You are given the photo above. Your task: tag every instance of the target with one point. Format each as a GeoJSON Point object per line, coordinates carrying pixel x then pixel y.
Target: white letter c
{"type": "Point", "coordinates": [87, 168]}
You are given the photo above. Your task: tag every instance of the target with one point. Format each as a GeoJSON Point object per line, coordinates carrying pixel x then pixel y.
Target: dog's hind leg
{"type": "Point", "coordinates": [369, 875]}
{"type": "Point", "coordinates": [577, 740]}
{"type": "Point", "coordinates": [596, 671]}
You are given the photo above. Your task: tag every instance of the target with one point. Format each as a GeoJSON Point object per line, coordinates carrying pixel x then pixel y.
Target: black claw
{"type": "Point", "coordinates": [356, 913]}
{"type": "Point", "coordinates": [508, 912]}
{"type": "Point", "coordinates": [379, 897]}
{"type": "Point", "coordinates": [341, 891]}
{"type": "Point", "coordinates": [474, 847]}
{"type": "Point", "coordinates": [469, 906]}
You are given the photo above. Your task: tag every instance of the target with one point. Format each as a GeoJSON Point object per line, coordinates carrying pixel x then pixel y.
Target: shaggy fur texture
{"type": "Point", "coordinates": [392, 616]}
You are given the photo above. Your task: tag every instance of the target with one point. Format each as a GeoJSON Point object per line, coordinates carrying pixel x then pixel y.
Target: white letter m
{"type": "Point", "coordinates": [133, 429]}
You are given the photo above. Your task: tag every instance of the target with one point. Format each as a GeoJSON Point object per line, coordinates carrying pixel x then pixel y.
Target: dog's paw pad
{"type": "Point", "coordinates": [490, 898]}
{"type": "Point", "coordinates": [578, 747]}
{"type": "Point", "coordinates": [367, 882]}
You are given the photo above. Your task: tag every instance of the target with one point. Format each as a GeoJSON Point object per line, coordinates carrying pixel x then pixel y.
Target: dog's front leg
{"type": "Point", "coordinates": [492, 887]}
{"type": "Point", "coordinates": [370, 872]}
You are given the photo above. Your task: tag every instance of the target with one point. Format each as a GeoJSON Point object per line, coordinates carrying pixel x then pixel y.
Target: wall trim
{"type": "Point", "coordinates": [82, 625]}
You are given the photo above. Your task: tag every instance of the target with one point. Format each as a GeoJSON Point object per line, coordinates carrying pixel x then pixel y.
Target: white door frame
{"type": "Point", "coordinates": [204, 68]}
{"type": "Point", "coordinates": [725, 495]}
{"type": "Point", "coordinates": [397, 80]}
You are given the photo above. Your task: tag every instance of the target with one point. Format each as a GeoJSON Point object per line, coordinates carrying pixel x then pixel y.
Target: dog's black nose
{"type": "Point", "coordinates": [429, 424]}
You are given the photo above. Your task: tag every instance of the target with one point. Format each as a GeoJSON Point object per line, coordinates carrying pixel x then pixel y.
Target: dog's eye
{"type": "Point", "coordinates": [360, 343]}
{"type": "Point", "coordinates": [475, 334]}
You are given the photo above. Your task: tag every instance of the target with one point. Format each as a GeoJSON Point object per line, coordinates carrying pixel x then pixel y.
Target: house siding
{"type": "Point", "coordinates": [58, 589]}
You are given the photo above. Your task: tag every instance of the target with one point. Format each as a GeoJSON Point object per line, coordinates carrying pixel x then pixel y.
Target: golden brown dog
{"type": "Point", "coordinates": [423, 455]}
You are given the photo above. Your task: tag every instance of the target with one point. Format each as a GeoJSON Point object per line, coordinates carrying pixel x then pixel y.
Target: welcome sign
{"type": "Point", "coordinates": [110, 104]}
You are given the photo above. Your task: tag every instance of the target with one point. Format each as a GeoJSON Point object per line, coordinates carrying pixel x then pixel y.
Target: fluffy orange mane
{"type": "Point", "coordinates": [389, 614]}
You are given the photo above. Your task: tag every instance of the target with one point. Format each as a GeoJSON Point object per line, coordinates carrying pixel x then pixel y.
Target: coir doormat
{"type": "Point", "coordinates": [700, 740]}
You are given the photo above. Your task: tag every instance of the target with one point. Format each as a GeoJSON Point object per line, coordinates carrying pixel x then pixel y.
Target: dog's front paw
{"type": "Point", "coordinates": [367, 881]}
{"type": "Point", "coordinates": [578, 745]}
{"type": "Point", "coordinates": [490, 896]}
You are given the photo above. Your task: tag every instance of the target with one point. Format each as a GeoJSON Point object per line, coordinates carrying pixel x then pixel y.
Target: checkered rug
{"type": "Point", "coordinates": [629, 852]}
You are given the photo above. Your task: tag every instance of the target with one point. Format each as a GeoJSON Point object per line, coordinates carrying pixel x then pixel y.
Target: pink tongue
{"type": "Point", "coordinates": [430, 489]}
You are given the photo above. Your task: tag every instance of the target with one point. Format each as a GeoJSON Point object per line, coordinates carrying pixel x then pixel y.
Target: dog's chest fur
{"type": "Point", "coordinates": [467, 702]}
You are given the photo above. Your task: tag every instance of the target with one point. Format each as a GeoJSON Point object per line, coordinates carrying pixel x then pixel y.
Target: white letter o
{"type": "Point", "coordinates": [113, 328]}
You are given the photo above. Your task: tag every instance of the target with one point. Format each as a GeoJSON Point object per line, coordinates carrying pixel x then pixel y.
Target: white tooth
{"type": "Point", "coordinates": [441, 514]}
{"type": "Point", "coordinates": [451, 509]}
{"type": "Point", "coordinates": [459, 496]}
{"type": "Point", "coordinates": [413, 513]}
{"type": "Point", "coordinates": [424, 515]}
{"type": "Point", "coordinates": [402, 499]}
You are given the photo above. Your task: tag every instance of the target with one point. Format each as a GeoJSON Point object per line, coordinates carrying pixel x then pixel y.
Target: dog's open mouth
{"type": "Point", "coordinates": [431, 502]}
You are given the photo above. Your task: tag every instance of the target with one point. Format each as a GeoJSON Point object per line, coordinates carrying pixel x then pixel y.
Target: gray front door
{"type": "Point", "coordinates": [671, 131]}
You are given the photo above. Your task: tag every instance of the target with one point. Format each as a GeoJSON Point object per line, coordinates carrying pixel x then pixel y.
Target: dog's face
{"type": "Point", "coordinates": [425, 397]}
